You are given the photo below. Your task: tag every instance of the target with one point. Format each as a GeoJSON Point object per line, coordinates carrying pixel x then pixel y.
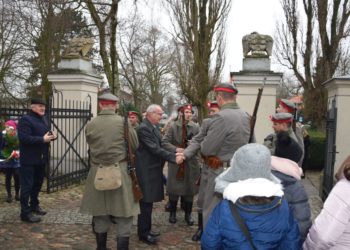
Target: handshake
{"type": "Point", "coordinates": [180, 157]}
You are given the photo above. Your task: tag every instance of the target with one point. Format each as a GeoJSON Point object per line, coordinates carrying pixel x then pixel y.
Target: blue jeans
{"type": "Point", "coordinates": [31, 178]}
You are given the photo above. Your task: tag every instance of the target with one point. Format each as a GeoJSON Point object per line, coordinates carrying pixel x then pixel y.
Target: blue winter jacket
{"type": "Point", "coordinates": [31, 131]}
{"type": "Point", "coordinates": [298, 202]}
{"type": "Point", "coordinates": [271, 226]}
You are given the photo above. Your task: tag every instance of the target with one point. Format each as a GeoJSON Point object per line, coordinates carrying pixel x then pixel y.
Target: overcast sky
{"type": "Point", "coordinates": [245, 17]}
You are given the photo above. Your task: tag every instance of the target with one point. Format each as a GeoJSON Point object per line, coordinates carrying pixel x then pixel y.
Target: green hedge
{"type": "Point", "coordinates": [317, 150]}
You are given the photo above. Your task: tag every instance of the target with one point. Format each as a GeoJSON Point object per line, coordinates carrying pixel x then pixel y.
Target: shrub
{"type": "Point", "coordinates": [317, 150]}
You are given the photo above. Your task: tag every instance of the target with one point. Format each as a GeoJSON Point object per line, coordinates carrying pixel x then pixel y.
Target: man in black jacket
{"type": "Point", "coordinates": [150, 157]}
{"type": "Point", "coordinates": [34, 138]}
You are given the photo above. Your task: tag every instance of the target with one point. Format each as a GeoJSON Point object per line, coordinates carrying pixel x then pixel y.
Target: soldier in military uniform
{"type": "Point", "coordinates": [280, 122]}
{"type": "Point", "coordinates": [175, 141]}
{"type": "Point", "coordinates": [229, 129]}
{"type": "Point", "coordinates": [192, 149]}
{"type": "Point", "coordinates": [133, 119]}
{"type": "Point", "coordinates": [286, 106]}
{"type": "Point", "coordinates": [105, 136]}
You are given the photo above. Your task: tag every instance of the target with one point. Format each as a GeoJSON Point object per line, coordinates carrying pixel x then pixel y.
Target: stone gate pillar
{"type": "Point", "coordinates": [257, 50]}
{"type": "Point", "coordinates": [77, 81]}
{"type": "Point", "coordinates": [248, 83]}
{"type": "Point", "coordinates": [339, 90]}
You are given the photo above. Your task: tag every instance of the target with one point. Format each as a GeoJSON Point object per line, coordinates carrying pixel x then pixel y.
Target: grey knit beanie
{"type": "Point", "coordinates": [250, 161]}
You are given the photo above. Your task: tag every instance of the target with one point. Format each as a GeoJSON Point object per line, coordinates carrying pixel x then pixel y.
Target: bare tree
{"type": "Point", "coordinates": [104, 15]}
{"type": "Point", "coordinates": [199, 27]}
{"type": "Point", "coordinates": [312, 49]}
{"type": "Point", "coordinates": [157, 60]}
{"type": "Point", "coordinates": [131, 41]}
{"type": "Point", "coordinates": [145, 59]}
{"type": "Point", "coordinates": [10, 49]}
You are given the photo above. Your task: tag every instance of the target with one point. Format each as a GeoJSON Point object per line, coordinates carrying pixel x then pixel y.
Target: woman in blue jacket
{"type": "Point", "coordinates": [258, 198]}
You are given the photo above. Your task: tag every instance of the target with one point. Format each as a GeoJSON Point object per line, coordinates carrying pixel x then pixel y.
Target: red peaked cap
{"type": "Point", "coordinates": [282, 118]}
{"type": "Point", "coordinates": [226, 87]}
{"type": "Point", "coordinates": [290, 106]}
{"type": "Point", "coordinates": [132, 113]}
{"type": "Point", "coordinates": [184, 107]}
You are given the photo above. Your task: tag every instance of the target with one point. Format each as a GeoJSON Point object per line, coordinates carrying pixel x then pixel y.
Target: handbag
{"type": "Point", "coordinates": [241, 224]}
{"type": "Point", "coordinates": [108, 177]}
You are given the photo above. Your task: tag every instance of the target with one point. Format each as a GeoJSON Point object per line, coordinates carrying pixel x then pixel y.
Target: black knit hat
{"type": "Point", "coordinates": [286, 147]}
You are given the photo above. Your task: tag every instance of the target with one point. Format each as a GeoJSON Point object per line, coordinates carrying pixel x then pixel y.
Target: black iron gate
{"type": "Point", "coordinates": [69, 158]}
{"type": "Point", "coordinates": [328, 172]}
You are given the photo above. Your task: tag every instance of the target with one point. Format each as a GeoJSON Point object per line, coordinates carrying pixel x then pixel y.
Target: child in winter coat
{"type": "Point", "coordinates": [249, 186]}
{"type": "Point", "coordinates": [331, 229]}
{"type": "Point", "coordinates": [9, 151]}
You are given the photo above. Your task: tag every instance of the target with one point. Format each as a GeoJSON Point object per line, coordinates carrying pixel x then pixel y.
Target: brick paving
{"type": "Point", "coordinates": [63, 227]}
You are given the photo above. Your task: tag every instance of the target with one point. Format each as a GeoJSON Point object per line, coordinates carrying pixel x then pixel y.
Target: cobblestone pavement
{"type": "Point", "coordinates": [65, 228]}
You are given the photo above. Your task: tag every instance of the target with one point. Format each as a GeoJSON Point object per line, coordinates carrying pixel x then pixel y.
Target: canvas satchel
{"type": "Point", "coordinates": [108, 177]}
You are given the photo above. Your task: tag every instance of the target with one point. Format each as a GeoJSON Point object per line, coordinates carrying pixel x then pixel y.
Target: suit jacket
{"type": "Point", "coordinates": [31, 131]}
{"type": "Point", "coordinates": [150, 157]}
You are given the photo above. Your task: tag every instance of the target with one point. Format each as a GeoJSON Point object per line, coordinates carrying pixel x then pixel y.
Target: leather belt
{"type": "Point", "coordinates": [214, 162]}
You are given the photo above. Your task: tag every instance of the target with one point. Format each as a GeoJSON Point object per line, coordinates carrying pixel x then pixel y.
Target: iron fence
{"type": "Point", "coordinates": [68, 157]}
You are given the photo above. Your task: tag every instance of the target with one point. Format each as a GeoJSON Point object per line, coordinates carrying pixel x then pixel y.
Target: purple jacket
{"type": "Point", "coordinates": [331, 229]}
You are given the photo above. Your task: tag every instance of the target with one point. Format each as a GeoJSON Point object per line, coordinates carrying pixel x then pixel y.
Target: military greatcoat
{"type": "Point", "coordinates": [228, 130]}
{"type": "Point", "coordinates": [172, 140]}
{"type": "Point", "coordinates": [105, 136]}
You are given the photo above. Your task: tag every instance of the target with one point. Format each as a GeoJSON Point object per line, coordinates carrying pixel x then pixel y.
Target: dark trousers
{"type": "Point", "coordinates": [144, 219]}
{"type": "Point", "coordinates": [9, 172]}
{"type": "Point", "coordinates": [32, 177]}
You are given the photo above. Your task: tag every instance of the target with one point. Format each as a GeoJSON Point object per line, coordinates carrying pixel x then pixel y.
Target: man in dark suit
{"type": "Point", "coordinates": [34, 138]}
{"type": "Point", "coordinates": [150, 157]}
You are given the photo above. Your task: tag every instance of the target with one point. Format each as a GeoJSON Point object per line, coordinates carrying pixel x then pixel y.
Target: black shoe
{"type": "Point", "coordinates": [9, 199]}
{"type": "Point", "coordinates": [30, 218]}
{"type": "Point", "coordinates": [39, 211]}
{"type": "Point", "coordinates": [172, 217]}
{"type": "Point", "coordinates": [154, 233]}
{"type": "Point", "coordinates": [148, 239]}
{"type": "Point", "coordinates": [197, 236]}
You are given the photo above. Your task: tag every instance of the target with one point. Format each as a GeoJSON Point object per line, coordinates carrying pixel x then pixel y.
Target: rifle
{"type": "Point", "coordinates": [255, 112]}
{"type": "Point", "coordinates": [130, 158]}
{"type": "Point", "coordinates": [294, 123]}
{"type": "Point", "coordinates": [180, 175]}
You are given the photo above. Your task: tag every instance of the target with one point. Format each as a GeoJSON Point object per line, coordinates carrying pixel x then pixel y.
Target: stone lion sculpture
{"type": "Point", "coordinates": [78, 47]}
{"type": "Point", "coordinates": [259, 45]}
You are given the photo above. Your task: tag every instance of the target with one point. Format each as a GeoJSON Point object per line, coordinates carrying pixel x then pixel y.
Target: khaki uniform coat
{"type": "Point", "coordinates": [172, 140]}
{"type": "Point", "coordinates": [228, 130]}
{"type": "Point", "coordinates": [105, 136]}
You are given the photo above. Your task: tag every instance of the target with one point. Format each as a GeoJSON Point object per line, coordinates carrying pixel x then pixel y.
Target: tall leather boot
{"type": "Point", "coordinates": [123, 243]}
{"type": "Point", "coordinates": [172, 215]}
{"type": "Point", "coordinates": [198, 234]}
{"type": "Point", "coordinates": [101, 241]}
{"type": "Point", "coordinates": [188, 211]}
